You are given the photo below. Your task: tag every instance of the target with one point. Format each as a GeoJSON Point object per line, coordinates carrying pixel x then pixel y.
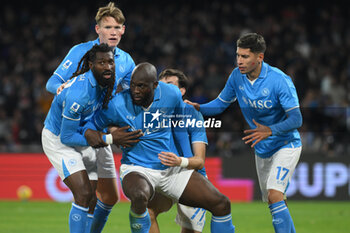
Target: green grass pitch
{"type": "Point", "coordinates": [51, 217]}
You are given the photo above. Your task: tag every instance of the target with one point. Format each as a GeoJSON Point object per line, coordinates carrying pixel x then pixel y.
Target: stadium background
{"type": "Point", "coordinates": [310, 43]}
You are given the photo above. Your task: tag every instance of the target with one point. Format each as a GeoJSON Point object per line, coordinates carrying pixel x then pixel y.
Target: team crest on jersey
{"type": "Point", "coordinates": [121, 68]}
{"type": "Point", "coordinates": [67, 64]}
{"type": "Point", "coordinates": [75, 106]}
{"type": "Point", "coordinates": [265, 92]}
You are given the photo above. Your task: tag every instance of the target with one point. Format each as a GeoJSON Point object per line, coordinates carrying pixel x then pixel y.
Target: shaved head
{"type": "Point", "coordinates": [143, 84]}
{"type": "Point", "coordinates": [145, 71]}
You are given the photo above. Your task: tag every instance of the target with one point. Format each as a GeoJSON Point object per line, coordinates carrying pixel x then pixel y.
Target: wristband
{"type": "Point", "coordinates": [108, 138]}
{"type": "Point", "coordinates": [184, 162]}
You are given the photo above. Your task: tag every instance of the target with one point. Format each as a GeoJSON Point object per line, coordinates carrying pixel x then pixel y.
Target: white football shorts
{"type": "Point", "coordinates": [68, 160]}
{"type": "Point", "coordinates": [171, 181]}
{"type": "Point", "coordinates": [276, 171]}
{"type": "Point", "coordinates": [190, 217]}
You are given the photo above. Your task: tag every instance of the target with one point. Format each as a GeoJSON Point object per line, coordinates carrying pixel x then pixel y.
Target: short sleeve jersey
{"type": "Point", "coordinates": [80, 98]}
{"type": "Point", "coordinates": [153, 121]}
{"type": "Point", "coordinates": [124, 64]}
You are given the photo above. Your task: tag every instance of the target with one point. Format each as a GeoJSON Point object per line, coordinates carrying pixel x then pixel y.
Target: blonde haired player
{"type": "Point", "coordinates": [110, 29]}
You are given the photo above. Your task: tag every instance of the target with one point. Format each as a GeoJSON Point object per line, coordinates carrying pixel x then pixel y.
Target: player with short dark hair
{"type": "Point", "coordinates": [269, 103]}
{"type": "Point", "coordinates": [62, 136]}
{"type": "Point", "coordinates": [147, 105]}
{"type": "Point", "coordinates": [110, 29]}
{"type": "Point", "coordinates": [190, 219]}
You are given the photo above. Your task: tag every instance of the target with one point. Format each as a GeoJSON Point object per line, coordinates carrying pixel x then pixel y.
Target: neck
{"type": "Point", "coordinates": [254, 74]}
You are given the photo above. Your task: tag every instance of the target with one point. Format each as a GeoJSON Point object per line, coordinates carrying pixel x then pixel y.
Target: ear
{"type": "Point", "coordinates": [183, 91]}
{"type": "Point", "coordinates": [260, 57]}
{"type": "Point", "coordinates": [123, 29]}
{"type": "Point", "coordinates": [97, 29]}
{"type": "Point", "coordinates": [90, 65]}
{"type": "Point", "coordinates": [155, 84]}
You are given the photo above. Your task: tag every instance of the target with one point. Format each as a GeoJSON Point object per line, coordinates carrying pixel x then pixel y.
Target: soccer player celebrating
{"type": "Point", "coordinates": [110, 29]}
{"type": "Point", "coordinates": [144, 106]}
{"type": "Point", "coordinates": [62, 138]}
{"type": "Point", "coordinates": [190, 219]}
{"type": "Point", "coordinates": [269, 103]}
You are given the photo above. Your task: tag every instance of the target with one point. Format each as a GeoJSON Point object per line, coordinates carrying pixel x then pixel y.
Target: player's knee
{"type": "Point", "coordinates": [222, 206]}
{"type": "Point", "coordinates": [274, 196]}
{"type": "Point", "coordinates": [84, 197]}
{"type": "Point", "coordinates": [109, 198]}
{"type": "Point", "coordinates": [139, 198]}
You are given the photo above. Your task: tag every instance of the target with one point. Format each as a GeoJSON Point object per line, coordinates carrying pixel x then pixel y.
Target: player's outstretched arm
{"type": "Point", "coordinates": [53, 84]}
{"type": "Point", "coordinates": [195, 105]}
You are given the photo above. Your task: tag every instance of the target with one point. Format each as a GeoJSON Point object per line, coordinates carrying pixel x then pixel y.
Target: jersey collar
{"type": "Point", "coordinates": [263, 72]}
{"type": "Point", "coordinates": [91, 78]}
{"type": "Point", "coordinates": [116, 50]}
{"type": "Point", "coordinates": [157, 93]}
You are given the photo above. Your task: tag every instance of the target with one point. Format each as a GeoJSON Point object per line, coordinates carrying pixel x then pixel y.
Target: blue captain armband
{"type": "Point", "coordinates": [293, 121]}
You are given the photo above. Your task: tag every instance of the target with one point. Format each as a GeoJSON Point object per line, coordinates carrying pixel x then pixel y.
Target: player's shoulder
{"type": "Point", "coordinates": [278, 75]}
{"type": "Point", "coordinates": [80, 85]}
{"type": "Point", "coordinates": [124, 55]}
{"type": "Point", "coordinates": [82, 48]}
{"type": "Point", "coordinates": [169, 90]}
{"type": "Point", "coordinates": [235, 75]}
{"type": "Point", "coordinates": [122, 52]}
{"type": "Point", "coordinates": [192, 111]}
{"type": "Point", "coordinates": [120, 99]}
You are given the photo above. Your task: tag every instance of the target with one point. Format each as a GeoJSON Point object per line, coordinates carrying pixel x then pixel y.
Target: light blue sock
{"type": "Point", "coordinates": [89, 219]}
{"type": "Point", "coordinates": [77, 218]}
{"type": "Point", "coordinates": [222, 224]}
{"type": "Point", "coordinates": [281, 219]}
{"type": "Point", "coordinates": [101, 214]}
{"type": "Point", "coordinates": [140, 223]}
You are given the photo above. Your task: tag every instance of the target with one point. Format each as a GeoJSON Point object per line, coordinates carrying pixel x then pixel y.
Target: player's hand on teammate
{"type": "Point", "coordinates": [124, 138]}
{"type": "Point", "coordinates": [169, 159]}
{"type": "Point", "coordinates": [59, 90]}
{"type": "Point", "coordinates": [258, 134]}
{"type": "Point", "coordinates": [94, 138]}
{"type": "Point", "coordinates": [195, 105]}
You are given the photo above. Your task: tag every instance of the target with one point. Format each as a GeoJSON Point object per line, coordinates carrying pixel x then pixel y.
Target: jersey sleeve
{"type": "Point", "coordinates": [228, 94]}
{"type": "Point", "coordinates": [125, 82]}
{"type": "Point", "coordinates": [287, 94]}
{"type": "Point", "coordinates": [225, 98]}
{"type": "Point", "coordinates": [71, 115]}
{"type": "Point", "coordinates": [54, 83]}
{"type": "Point", "coordinates": [196, 132]}
{"type": "Point", "coordinates": [70, 63]}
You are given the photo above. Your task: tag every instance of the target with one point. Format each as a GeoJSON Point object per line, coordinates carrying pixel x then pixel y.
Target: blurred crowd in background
{"type": "Point", "coordinates": [311, 44]}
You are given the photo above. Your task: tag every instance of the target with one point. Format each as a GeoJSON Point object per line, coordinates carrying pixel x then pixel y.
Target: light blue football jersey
{"type": "Point", "coordinates": [155, 123]}
{"type": "Point", "coordinates": [124, 64]}
{"type": "Point", "coordinates": [193, 133]}
{"type": "Point", "coordinates": [267, 100]}
{"type": "Point", "coordinates": [78, 101]}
